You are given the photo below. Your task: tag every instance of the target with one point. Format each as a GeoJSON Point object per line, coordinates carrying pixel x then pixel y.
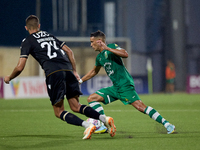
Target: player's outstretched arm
{"type": "Point", "coordinates": [91, 74]}
{"type": "Point", "coordinates": [17, 70]}
{"type": "Point", "coordinates": [71, 59]}
{"type": "Point", "coordinates": [119, 52]}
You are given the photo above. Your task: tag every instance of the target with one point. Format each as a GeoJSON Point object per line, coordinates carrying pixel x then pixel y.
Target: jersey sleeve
{"type": "Point", "coordinates": [25, 49]}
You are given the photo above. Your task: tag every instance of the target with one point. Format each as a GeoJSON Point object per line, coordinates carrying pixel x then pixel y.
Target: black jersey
{"type": "Point", "coordinates": [46, 49]}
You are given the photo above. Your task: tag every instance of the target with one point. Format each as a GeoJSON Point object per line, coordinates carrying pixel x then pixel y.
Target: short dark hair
{"type": "Point", "coordinates": [98, 34]}
{"type": "Point", "coordinates": [32, 22]}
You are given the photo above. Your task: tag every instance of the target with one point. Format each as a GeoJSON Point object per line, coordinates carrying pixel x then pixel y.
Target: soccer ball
{"type": "Point", "coordinates": [95, 122]}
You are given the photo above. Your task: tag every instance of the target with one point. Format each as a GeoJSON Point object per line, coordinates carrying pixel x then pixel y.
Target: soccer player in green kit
{"type": "Point", "coordinates": [123, 88]}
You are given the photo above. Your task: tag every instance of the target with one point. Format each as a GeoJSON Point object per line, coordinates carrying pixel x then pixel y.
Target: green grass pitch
{"type": "Point", "coordinates": [30, 124]}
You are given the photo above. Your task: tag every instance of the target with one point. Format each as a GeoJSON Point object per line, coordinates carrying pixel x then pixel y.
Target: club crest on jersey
{"type": "Point", "coordinates": [106, 55]}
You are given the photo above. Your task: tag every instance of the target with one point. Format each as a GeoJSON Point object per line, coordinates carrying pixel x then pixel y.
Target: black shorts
{"type": "Point", "coordinates": [62, 83]}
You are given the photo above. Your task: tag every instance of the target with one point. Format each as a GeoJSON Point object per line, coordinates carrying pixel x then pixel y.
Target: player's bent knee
{"type": "Point", "coordinates": [94, 97]}
{"type": "Point", "coordinates": [90, 99]}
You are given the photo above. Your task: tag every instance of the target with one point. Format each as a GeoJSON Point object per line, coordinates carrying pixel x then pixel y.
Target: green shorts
{"type": "Point", "coordinates": [111, 94]}
{"type": "Point", "coordinates": [170, 81]}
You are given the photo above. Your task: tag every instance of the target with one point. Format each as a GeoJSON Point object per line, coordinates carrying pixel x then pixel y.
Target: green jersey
{"type": "Point", "coordinates": [114, 68]}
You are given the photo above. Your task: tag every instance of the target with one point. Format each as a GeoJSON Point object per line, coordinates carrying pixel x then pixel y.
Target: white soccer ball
{"type": "Point", "coordinates": [95, 122]}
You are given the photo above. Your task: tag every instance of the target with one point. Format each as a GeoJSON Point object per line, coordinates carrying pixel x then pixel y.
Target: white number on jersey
{"type": "Point", "coordinates": [49, 46]}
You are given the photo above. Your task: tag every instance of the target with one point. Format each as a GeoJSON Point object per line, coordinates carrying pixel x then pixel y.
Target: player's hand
{"type": "Point", "coordinates": [7, 79]}
{"type": "Point", "coordinates": [102, 44]}
{"type": "Point", "coordinates": [76, 75]}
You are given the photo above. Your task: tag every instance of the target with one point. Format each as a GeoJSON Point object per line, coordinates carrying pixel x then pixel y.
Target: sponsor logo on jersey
{"type": "Point", "coordinates": [106, 55]}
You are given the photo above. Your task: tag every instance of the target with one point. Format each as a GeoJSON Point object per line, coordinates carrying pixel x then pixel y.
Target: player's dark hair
{"type": "Point", "coordinates": [32, 22]}
{"type": "Point", "coordinates": [98, 34]}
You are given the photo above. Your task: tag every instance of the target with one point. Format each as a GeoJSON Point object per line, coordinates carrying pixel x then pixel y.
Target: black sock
{"type": "Point", "coordinates": [89, 112]}
{"type": "Point", "coordinates": [71, 118]}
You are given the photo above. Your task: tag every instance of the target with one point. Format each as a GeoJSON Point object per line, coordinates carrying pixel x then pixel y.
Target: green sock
{"type": "Point", "coordinates": [97, 106]}
{"type": "Point", "coordinates": [156, 116]}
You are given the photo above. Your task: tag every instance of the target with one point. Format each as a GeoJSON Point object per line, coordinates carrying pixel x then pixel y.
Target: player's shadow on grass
{"type": "Point", "coordinates": [44, 136]}
{"type": "Point", "coordinates": [130, 135]}
{"type": "Point", "coordinates": [38, 141]}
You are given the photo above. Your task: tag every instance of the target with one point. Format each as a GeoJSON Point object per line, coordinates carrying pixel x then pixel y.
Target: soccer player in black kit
{"type": "Point", "coordinates": [57, 60]}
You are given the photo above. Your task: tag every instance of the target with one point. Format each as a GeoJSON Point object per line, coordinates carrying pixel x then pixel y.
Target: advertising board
{"type": "Point", "coordinates": [35, 87]}
{"type": "Point", "coordinates": [193, 84]}
{"type": "Point", "coordinates": [98, 82]}
{"type": "Point", "coordinates": [25, 87]}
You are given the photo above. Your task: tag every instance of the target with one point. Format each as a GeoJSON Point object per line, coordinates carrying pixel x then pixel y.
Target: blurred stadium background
{"type": "Point", "coordinates": [149, 29]}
